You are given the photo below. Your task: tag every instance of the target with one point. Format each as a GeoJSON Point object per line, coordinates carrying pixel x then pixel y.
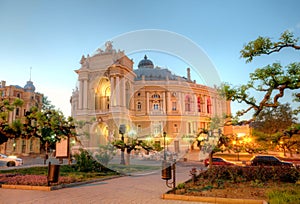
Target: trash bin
{"type": "Point", "coordinates": [166, 172]}
{"type": "Point", "coordinates": [53, 173]}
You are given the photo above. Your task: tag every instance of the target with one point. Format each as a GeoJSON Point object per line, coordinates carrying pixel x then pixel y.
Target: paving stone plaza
{"type": "Point", "coordinates": [128, 189]}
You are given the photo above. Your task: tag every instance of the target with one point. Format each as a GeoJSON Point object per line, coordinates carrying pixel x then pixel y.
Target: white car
{"type": "Point", "coordinates": [10, 160]}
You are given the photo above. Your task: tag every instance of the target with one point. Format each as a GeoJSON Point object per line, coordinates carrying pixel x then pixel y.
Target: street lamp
{"type": "Point", "coordinates": [122, 130]}
{"type": "Point", "coordinates": [168, 169]}
{"type": "Point", "coordinates": [164, 134]}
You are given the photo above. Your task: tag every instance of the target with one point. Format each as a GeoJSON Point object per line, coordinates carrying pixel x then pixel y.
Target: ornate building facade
{"type": "Point", "coordinates": [30, 99]}
{"type": "Point", "coordinates": [149, 100]}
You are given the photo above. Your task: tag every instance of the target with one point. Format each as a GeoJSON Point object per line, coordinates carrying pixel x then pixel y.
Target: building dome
{"type": "Point", "coordinates": [29, 87]}
{"type": "Point", "coordinates": [145, 63]}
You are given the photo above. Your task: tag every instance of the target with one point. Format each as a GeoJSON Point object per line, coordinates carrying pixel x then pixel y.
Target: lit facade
{"type": "Point", "coordinates": [30, 98]}
{"type": "Point", "coordinates": [149, 100]}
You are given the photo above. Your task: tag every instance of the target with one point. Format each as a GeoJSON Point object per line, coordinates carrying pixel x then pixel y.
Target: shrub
{"type": "Point", "coordinates": [86, 163]}
{"type": "Point", "coordinates": [105, 154]}
{"type": "Point", "coordinates": [252, 173]}
{"type": "Point", "coordinates": [181, 186]}
{"type": "Point", "coordinates": [286, 196]}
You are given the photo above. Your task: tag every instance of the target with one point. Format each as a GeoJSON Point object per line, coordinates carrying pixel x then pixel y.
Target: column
{"type": "Point", "coordinates": [117, 91]}
{"type": "Point", "coordinates": [147, 103]}
{"type": "Point", "coordinates": [112, 92]}
{"type": "Point", "coordinates": [182, 103]}
{"type": "Point", "coordinates": [169, 102]}
{"type": "Point", "coordinates": [195, 104]}
{"type": "Point", "coordinates": [85, 93]}
{"type": "Point", "coordinates": [164, 103]}
{"type": "Point", "coordinates": [179, 103]}
{"type": "Point", "coordinates": [80, 94]}
{"type": "Point", "coordinates": [131, 99]}
{"type": "Point", "coordinates": [205, 104]}
{"type": "Point", "coordinates": [123, 92]}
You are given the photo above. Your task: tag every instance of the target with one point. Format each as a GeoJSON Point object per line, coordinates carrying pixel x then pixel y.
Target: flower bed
{"type": "Point", "coordinates": [33, 180]}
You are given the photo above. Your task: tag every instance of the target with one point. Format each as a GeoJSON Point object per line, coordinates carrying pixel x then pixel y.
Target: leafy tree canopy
{"type": "Point", "coordinates": [265, 46]}
{"type": "Point", "coordinates": [271, 81]}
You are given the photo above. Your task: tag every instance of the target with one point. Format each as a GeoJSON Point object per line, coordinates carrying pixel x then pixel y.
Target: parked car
{"type": "Point", "coordinates": [268, 160]}
{"type": "Point", "coordinates": [10, 160]}
{"type": "Point", "coordinates": [218, 161]}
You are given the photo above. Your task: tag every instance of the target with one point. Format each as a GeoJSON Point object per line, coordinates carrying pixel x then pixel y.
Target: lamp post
{"type": "Point", "coordinates": [168, 169]}
{"type": "Point", "coordinates": [122, 130]}
{"type": "Point", "coordinates": [164, 134]}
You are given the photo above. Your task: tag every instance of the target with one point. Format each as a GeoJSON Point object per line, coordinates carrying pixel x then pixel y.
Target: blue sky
{"type": "Point", "coordinates": [51, 36]}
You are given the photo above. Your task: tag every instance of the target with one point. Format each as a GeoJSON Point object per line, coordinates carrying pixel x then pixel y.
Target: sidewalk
{"type": "Point", "coordinates": [129, 189]}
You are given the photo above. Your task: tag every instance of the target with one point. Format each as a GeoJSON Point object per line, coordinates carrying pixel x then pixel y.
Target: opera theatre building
{"type": "Point", "coordinates": [147, 99]}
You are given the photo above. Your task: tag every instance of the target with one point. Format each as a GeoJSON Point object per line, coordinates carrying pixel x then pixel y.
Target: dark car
{"type": "Point", "coordinates": [266, 160]}
{"type": "Point", "coordinates": [218, 161]}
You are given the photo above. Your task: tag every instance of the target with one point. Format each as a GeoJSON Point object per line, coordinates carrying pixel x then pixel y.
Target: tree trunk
{"type": "Point", "coordinates": [291, 153]}
{"type": "Point", "coordinates": [127, 160]}
{"type": "Point", "coordinates": [284, 153]}
{"type": "Point", "coordinates": [210, 156]}
{"type": "Point", "coordinates": [122, 157]}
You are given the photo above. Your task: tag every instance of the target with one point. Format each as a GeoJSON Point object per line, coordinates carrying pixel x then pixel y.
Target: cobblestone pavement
{"type": "Point", "coordinates": [128, 189]}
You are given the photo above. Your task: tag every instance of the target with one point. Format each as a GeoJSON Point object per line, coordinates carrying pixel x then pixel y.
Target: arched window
{"type": "Point", "coordinates": [17, 111]}
{"type": "Point", "coordinates": [199, 102]}
{"type": "Point", "coordinates": [139, 106]}
{"type": "Point", "coordinates": [188, 103]}
{"type": "Point", "coordinates": [139, 129]}
{"type": "Point", "coordinates": [208, 105]}
{"type": "Point", "coordinates": [174, 106]}
{"type": "Point", "coordinates": [155, 96]}
{"type": "Point", "coordinates": [155, 106]}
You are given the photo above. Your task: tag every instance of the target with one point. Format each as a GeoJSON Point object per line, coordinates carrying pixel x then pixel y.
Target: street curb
{"type": "Point", "coordinates": [212, 199]}
{"type": "Point", "coordinates": [51, 188]}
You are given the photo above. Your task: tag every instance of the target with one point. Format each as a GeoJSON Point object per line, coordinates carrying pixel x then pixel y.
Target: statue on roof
{"type": "Point", "coordinates": [108, 46]}
{"type": "Point", "coordinates": [82, 59]}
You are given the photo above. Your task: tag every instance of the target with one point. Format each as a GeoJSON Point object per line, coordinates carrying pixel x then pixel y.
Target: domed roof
{"type": "Point", "coordinates": [145, 63]}
{"type": "Point", "coordinates": [29, 87]}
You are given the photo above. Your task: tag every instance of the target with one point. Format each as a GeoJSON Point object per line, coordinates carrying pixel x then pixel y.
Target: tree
{"type": "Point", "coordinates": [272, 120]}
{"type": "Point", "coordinates": [9, 129]}
{"type": "Point", "coordinates": [134, 144]}
{"type": "Point", "coordinates": [212, 140]}
{"type": "Point", "coordinates": [270, 81]}
{"type": "Point", "coordinates": [49, 124]}
{"type": "Point", "coordinates": [272, 128]}
{"type": "Point", "coordinates": [265, 46]}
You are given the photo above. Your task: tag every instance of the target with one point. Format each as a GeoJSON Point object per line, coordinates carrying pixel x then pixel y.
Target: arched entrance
{"type": "Point", "coordinates": [101, 134]}
{"type": "Point", "coordinates": [102, 94]}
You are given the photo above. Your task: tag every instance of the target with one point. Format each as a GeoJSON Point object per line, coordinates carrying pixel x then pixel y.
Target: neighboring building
{"type": "Point", "coordinates": [30, 98]}
{"type": "Point", "coordinates": [242, 131]}
{"type": "Point", "coordinates": [149, 100]}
